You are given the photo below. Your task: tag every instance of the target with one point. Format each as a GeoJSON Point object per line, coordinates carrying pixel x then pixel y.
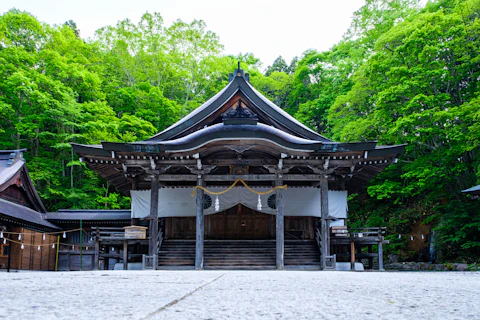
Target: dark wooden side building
{"type": "Point", "coordinates": [240, 134]}
{"type": "Point", "coordinates": [22, 218]}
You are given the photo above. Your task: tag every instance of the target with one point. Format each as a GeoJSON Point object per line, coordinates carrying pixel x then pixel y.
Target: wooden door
{"type": "Point", "coordinates": [240, 222]}
{"type": "Point", "coordinates": [180, 228]}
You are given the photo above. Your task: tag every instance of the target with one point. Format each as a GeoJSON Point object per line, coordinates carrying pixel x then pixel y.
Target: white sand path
{"type": "Point", "coordinates": [240, 295]}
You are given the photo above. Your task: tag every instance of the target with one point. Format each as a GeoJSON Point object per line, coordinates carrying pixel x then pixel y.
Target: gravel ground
{"type": "Point", "coordinates": [240, 295]}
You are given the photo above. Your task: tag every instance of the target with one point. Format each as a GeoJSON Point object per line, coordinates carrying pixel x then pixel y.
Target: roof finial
{"type": "Point", "coordinates": [238, 65]}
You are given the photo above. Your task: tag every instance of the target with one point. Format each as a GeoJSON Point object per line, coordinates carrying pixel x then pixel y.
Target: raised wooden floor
{"type": "Point", "coordinates": [239, 254]}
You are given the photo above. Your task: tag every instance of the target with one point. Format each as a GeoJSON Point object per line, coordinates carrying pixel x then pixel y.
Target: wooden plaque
{"type": "Point", "coordinates": [135, 232]}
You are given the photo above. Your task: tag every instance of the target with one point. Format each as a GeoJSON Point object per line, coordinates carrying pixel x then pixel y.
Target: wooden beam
{"type": "Point", "coordinates": [199, 226]}
{"type": "Point", "coordinates": [245, 177]}
{"type": "Point", "coordinates": [280, 224]}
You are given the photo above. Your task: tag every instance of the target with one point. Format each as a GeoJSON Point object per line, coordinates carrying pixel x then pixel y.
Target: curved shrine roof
{"type": "Point", "coordinates": [239, 84]}
{"type": "Point", "coordinates": [223, 132]}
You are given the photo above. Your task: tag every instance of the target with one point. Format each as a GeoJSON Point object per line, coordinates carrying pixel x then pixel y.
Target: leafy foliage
{"type": "Point", "coordinates": [402, 74]}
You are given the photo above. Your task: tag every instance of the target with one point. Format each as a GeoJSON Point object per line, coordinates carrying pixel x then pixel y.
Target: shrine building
{"type": "Point", "coordinates": [239, 183]}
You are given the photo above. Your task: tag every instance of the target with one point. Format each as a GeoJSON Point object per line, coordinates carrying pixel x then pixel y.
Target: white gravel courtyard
{"type": "Point", "coordinates": [240, 295]}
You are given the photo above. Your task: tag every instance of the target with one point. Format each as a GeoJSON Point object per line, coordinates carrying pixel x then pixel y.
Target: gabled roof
{"type": "Point", "coordinates": [13, 170]}
{"type": "Point", "coordinates": [239, 84]}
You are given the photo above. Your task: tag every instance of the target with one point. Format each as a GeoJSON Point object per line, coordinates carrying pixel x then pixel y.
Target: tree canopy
{"type": "Point", "coordinates": [402, 74]}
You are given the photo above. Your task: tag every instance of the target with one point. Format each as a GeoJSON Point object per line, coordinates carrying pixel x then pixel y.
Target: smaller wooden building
{"type": "Point", "coordinates": [22, 218]}
{"type": "Point", "coordinates": [87, 252]}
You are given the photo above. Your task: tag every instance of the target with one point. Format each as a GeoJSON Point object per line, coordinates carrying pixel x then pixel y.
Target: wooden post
{"type": "Point", "coordinates": [97, 251]}
{"type": "Point", "coordinates": [125, 255]}
{"type": "Point", "coordinates": [352, 255]}
{"type": "Point", "coordinates": [106, 260]}
{"type": "Point", "coordinates": [152, 246]}
{"type": "Point", "coordinates": [134, 221]}
{"type": "Point", "coordinates": [81, 244]}
{"type": "Point", "coordinates": [380, 256]}
{"type": "Point", "coordinates": [324, 213]}
{"type": "Point", "coordinates": [280, 224]}
{"type": "Point", "coordinates": [56, 253]}
{"type": "Point", "coordinates": [199, 226]}
{"type": "Point", "coordinates": [370, 259]}
{"type": "Point", "coordinates": [9, 261]}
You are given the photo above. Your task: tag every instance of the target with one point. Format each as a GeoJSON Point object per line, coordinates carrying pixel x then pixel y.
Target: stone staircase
{"type": "Point", "coordinates": [239, 254]}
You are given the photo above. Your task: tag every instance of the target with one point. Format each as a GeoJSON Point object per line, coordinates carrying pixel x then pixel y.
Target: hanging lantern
{"type": "Point", "coordinates": [64, 235]}
{"type": "Point", "coordinates": [38, 248]}
{"type": "Point", "coordinates": [423, 237]}
{"type": "Point", "coordinates": [113, 249]}
{"type": "Point", "coordinates": [411, 238]}
{"type": "Point", "coordinates": [19, 236]}
{"type": "Point", "coordinates": [53, 245]}
{"type": "Point", "coordinates": [73, 247]}
{"type": "Point", "coordinates": [217, 204]}
{"type": "Point", "coordinates": [43, 237]}
{"type": "Point", "coordinates": [259, 204]}
{"type": "Point", "coordinates": [22, 246]}
{"type": "Point", "coordinates": [86, 248]}
{"type": "Point", "coordinates": [399, 236]}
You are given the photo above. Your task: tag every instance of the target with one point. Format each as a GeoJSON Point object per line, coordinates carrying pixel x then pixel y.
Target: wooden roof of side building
{"type": "Point", "coordinates": [28, 210]}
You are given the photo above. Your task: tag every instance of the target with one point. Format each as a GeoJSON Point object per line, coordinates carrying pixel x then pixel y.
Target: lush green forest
{"type": "Point", "coordinates": [402, 73]}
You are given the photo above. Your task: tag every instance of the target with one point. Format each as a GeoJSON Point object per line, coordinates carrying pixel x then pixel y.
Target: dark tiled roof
{"type": "Point", "coordinates": [241, 84]}
{"type": "Point", "coordinates": [95, 215]}
{"type": "Point", "coordinates": [27, 216]}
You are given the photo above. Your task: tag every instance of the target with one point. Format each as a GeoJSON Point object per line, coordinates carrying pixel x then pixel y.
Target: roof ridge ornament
{"type": "Point", "coordinates": [240, 115]}
{"type": "Point", "coordinates": [238, 73]}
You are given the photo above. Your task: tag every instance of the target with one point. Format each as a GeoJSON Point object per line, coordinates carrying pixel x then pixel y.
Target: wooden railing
{"type": "Point", "coordinates": [370, 232]}
{"type": "Point", "coordinates": [159, 240]}
{"type": "Point", "coordinates": [367, 232]}
{"type": "Point", "coordinates": [296, 234]}
{"type": "Point", "coordinates": [318, 238]}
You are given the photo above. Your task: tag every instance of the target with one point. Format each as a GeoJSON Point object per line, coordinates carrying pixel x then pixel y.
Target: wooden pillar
{"type": "Point", "coordinates": [370, 259]}
{"type": "Point", "coordinates": [152, 246]}
{"type": "Point", "coordinates": [352, 255]}
{"type": "Point", "coordinates": [134, 221]}
{"type": "Point", "coordinates": [199, 226]}
{"type": "Point", "coordinates": [9, 261]}
{"type": "Point", "coordinates": [380, 256]}
{"type": "Point", "coordinates": [97, 254]}
{"type": "Point", "coordinates": [125, 255]}
{"type": "Point", "coordinates": [280, 224]}
{"type": "Point", "coordinates": [325, 250]}
{"type": "Point", "coordinates": [106, 260]}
